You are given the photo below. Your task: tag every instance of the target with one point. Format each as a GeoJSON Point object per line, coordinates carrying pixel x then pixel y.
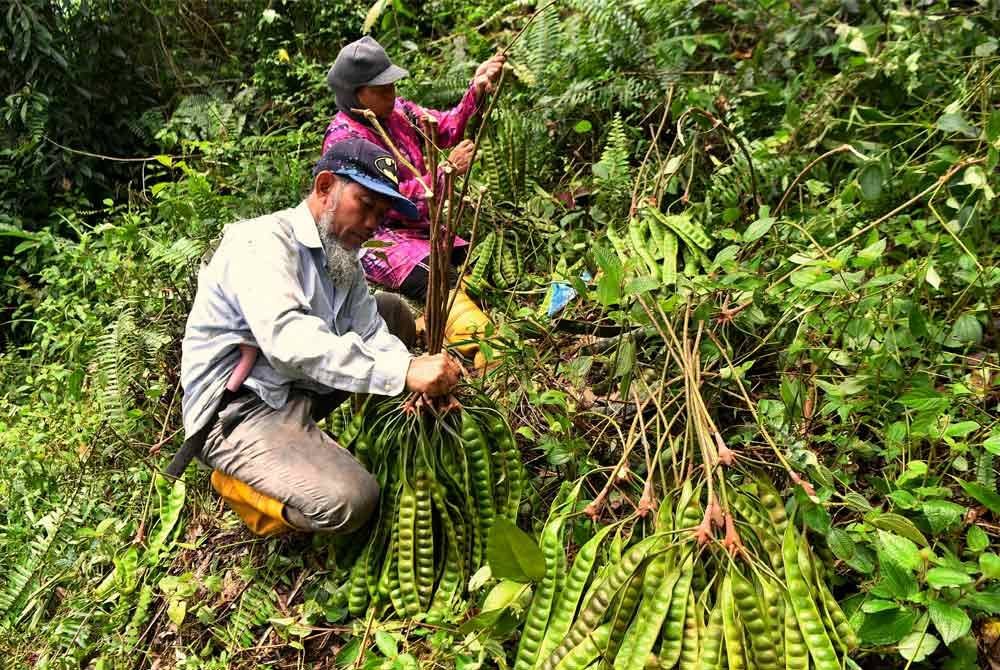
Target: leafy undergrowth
{"type": "Point", "coordinates": [746, 246]}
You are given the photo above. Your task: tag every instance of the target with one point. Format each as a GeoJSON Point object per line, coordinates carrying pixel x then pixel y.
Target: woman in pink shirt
{"type": "Point", "coordinates": [363, 77]}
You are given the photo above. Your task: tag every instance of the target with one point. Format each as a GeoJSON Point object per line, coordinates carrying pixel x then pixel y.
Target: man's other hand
{"type": "Point", "coordinates": [433, 375]}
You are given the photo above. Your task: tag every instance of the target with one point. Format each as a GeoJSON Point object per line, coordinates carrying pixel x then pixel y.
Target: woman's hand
{"type": "Point", "coordinates": [461, 156]}
{"type": "Point", "coordinates": [487, 74]}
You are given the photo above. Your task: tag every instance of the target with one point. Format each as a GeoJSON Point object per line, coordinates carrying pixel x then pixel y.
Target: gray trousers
{"type": "Point", "coordinates": [283, 454]}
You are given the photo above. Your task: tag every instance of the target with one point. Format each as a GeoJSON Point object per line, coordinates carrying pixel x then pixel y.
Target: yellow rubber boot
{"type": "Point", "coordinates": [261, 513]}
{"type": "Point", "coordinates": [464, 324]}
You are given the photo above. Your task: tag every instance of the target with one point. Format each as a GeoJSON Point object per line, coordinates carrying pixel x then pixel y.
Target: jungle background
{"type": "Point", "coordinates": [842, 156]}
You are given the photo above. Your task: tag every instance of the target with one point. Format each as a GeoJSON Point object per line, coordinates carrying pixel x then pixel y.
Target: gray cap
{"type": "Point", "coordinates": [362, 63]}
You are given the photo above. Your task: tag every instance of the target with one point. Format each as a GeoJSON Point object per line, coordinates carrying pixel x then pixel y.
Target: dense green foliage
{"type": "Point", "coordinates": [841, 157]}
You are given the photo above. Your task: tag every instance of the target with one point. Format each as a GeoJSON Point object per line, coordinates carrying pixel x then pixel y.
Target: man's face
{"type": "Point", "coordinates": [352, 213]}
{"type": "Point", "coordinates": [379, 99]}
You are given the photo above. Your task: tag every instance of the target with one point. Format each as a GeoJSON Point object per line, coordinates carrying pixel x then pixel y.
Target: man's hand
{"type": "Point", "coordinates": [487, 74]}
{"type": "Point", "coordinates": [461, 156]}
{"type": "Point", "coordinates": [433, 375]}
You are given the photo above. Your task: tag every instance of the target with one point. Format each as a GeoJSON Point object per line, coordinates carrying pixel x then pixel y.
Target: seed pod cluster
{"type": "Point", "coordinates": [645, 609]}
{"type": "Point", "coordinates": [650, 244]}
{"type": "Point", "coordinates": [443, 481]}
{"type": "Point", "coordinates": [496, 261]}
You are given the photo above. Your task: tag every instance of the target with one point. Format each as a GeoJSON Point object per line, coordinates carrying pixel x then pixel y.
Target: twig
{"type": "Point", "coordinates": [370, 116]}
{"type": "Point", "coordinates": [788, 192]}
{"type": "Point", "coordinates": [525, 27]}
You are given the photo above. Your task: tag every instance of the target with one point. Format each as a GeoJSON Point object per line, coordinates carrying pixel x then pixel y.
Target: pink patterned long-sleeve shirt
{"type": "Point", "coordinates": [408, 241]}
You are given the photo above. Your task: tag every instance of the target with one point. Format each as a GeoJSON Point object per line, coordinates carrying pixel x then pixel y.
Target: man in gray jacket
{"type": "Point", "coordinates": [289, 287]}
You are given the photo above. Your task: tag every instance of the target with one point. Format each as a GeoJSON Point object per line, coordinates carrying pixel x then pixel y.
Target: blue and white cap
{"type": "Point", "coordinates": [369, 165]}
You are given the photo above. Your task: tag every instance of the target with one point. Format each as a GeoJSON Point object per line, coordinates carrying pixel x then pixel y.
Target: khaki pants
{"type": "Point", "coordinates": [283, 454]}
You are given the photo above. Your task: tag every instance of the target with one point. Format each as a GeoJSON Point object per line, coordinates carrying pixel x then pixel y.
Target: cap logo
{"type": "Point", "coordinates": [387, 166]}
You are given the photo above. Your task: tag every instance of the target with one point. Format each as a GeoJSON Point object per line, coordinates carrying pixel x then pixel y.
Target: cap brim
{"type": "Point", "coordinates": [387, 76]}
{"type": "Point", "coordinates": [399, 202]}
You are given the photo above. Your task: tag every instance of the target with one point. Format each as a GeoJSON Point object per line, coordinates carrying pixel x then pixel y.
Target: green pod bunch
{"type": "Point", "coordinates": [841, 626]}
{"type": "Point", "coordinates": [516, 477]}
{"type": "Point", "coordinates": [669, 248]}
{"type": "Point", "coordinates": [406, 551]}
{"type": "Point", "coordinates": [337, 421]}
{"type": "Point", "coordinates": [477, 278]}
{"type": "Point", "coordinates": [774, 606]}
{"type": "Point", "coordinates": [691, 641]}
{"type": "Point", "coordinates": [451, 574]}
{"type": "Point", "coordinates": [537, 618]}
{"type": "Point", "coordinates": [732, 631]}
{"type": "Point", "coordinates": [139, 616]}
{"type": "Point", "coordinates": [358, 596]}
{"type": "Point", "coordinates": [774, 506]}
{"type": "Point", "coordinates": [599, 600]}
{"type": "Point", "coordinates": [806, 615]}
{"type": "Point", "coordinates": [762, 528]}
{"type": "Point", "coordinates": [623, 611]}
{"type": "Point", "coordinates": [618, 244]}
{"type": "Point", "coordinates": [676, 620]}
{"type": "Point", "coordinates": [796, 651]}
{"type": "Point", "coordinates": [583, 654]}
{"type": "Point", "coordinates": [685, 227]}
{"type": "Point", "coordinates": [499, 280]}
{"type": "Point", "coordinates": [637, 238]}
{"type": "Point", "coordinates": [352, 430]}
{"type": "Point", "coordinates": [569, 599]}
{"type": "Point", "coordinates": [657, 595]}
{"type": "Point", "coordinates": [424, 550]}
{"type": "Point", "coordinates": [754, 620]}
{"type": "Point", "coordinates": [478, 456]}
{"type": "Point", "coordinates": [712, 642]}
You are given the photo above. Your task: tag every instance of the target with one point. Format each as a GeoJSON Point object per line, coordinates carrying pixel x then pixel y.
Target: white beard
{"type": "Point", "coordinates": [341, 263]}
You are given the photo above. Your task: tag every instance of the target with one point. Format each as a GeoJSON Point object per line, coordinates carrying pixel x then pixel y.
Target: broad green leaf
{"type": "Point", "coordinates": [940, 578]}
{"type": "Point", "coordinates": [924, 399]}
{"type": "Point", "coordinates": [951, 622]}
{"type": "Point", "coordinates": [961, 429]}
{"type": "Point", "coordinates": [992, 444]}
{"type": "Point", "coordinates": [583, 126]}
{"type": "Point", "coordinates": [989, 565]}
{"type": "Point", "coordinates": [867, 256]}
{"type": "Point", "coordinates": [976, 539]}
{"type": "Point", "coordinates": [870, 180]}
{"type": "Point", "coordinates": [916, 321]}
{"type": "Point", "coordinates": [503, 595]}
{"type": "Point", "coordinates": [967, 330]}
{"type": "Point", "coordinates": [985, 496]}
{"type": "Point", "coordinates": [512, 554]}
{"type": "Point", "coordinates": [386, 643]}
{"type": "Point", "coordinates": [897, 581]}
{"type": "Point", "coordinates": [759, 228]}
{"type": "Point", "coordinates": [177, 610]}
{"type": "Point", "coordinates": [916, 647]}
{"type": "Point", "coordinates": [956, 123]}
{"type": "Point", "coordinates": [840, 544]}
{"type": "Point", "coordinates": [886, 627]}
{"type": "Point", "coordinates": [942, 514]}
{"type": "Point", "coordinates": [897, 524]}
{"type": "Point", "coordinates": [643, 284]}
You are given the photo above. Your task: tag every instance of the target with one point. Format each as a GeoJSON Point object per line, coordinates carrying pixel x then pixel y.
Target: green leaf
{"type": "Point", "coordinates": [897, 524]}
{"type": "Point", "coordinates": [512, 554]}
{"type": "Point", "coordinates": [643, 284]}
{"type": "Point", "coordinates": [386, 643]}
{"type": "Point", "coordinates": [177, 610]}
{"type": "Point", "coordinates": [900, 581]}
{"type": "Point", "coordinates": [886, 627]}
{"type": "Point", "coordinates": [610, 281]}
{"type": "Point", "coordinates": [992, 444]}
{"type": "Point", "coordinates": [952, 622]}
{"type": "Point", "coordinates": [976, 539]}
{"type": "Point", "coordinates": [840, 544]}
{"type": "Point", "coordinates": [967, 330]}
{"type": "Point", "coordinates": [989, 564]}
{"type": "Point", "coordinates": [961, 429]}
{"type": "Point", "coordinates": [583, 126]}
{"type": "Point", "coordinates": [917, 323]}
{"type": "Point", "coordinates": [940, 578]}
{"type": "Point", "coordinates": [956, 123]}
{"type": "Point", "coordinates": [942, 514]}
{"type": "Point", "coordinates": [985, 496]}
{"type": "Point", "coordinates": [759, 228]}
{"type": "Point", "coordinates": [916, 647]}
{"type": "Point", "coordinates": [503, 595]}
{"type": "Point", "coordinates": [899, 549]}
{"type": "Point", "coordinates": [870, 180]}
